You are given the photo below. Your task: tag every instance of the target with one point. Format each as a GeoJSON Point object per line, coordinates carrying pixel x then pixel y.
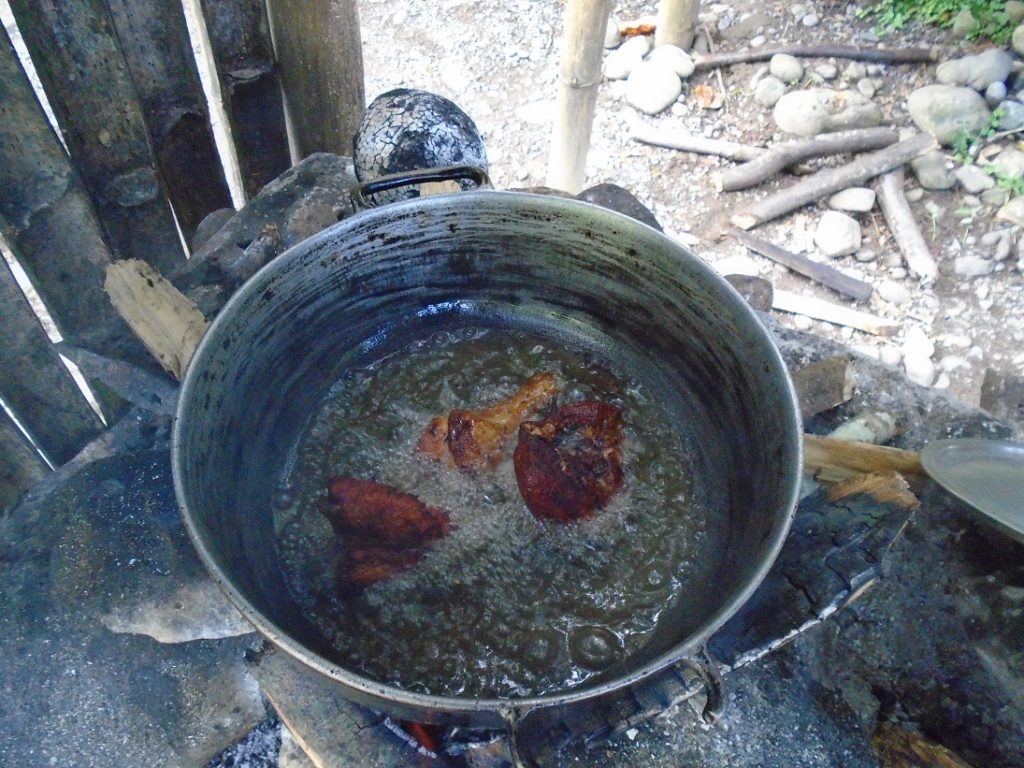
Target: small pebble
{"type": "Point", "coordinates": [898, 272]}
{"type": "Point", "coordinates": [920, 369]}
{"type": "Point", "coordinates": [913, 195]}
{"type": "Point", "coordinates": [972, 266]}
{"type": "Point", "coordinates": [893, 292]}
{"type": "Point", "coordinates": [1002, 252]}
{"type": "Point", "coordinates": [802, 322]}
{"type": "Point", "coordinates": [855, 71]}
{"type": "Point", "coordinates": [995, 93]}
{"type": "Point", "coordinates": [758, 41]}
{"type": "Point", "coordinates": [890, 355]}
{"type": "Point", "coordinates": [866, 87]}
{"type": "Point", "coordinates": [866, 254]}
{"type": "Point", "coordinates": [769, 91]}
{"type": "Point", "coordinates": [827, 71]}
{"type": "Point", "coordinates": [810, 20]}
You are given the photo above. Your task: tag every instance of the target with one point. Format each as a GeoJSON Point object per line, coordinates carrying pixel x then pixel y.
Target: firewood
{"type": "Point", "coordinates": [822, 385]}
{"type": "Point", "coordinates": [876, 427]}
{"type": "Point", "coordinates": [899, 748]}
{"type": "Point", "coordinates": [883, 55]}
{"type": "Point", "coordinates": [831, 180]}
{"type": "Point", "coordinates": [786, 301]}
{"type": "Point", "coordinates": [822, 273]}
{"type": "Point", "coordinates": [889, 488]}
{"type": "Point", "coordinates": [903, 226]}
{"type": "Point", "coordinates": [686, 142]}
{"type": "Point", "coordinates": [835, 460]}
{"type": "Point", "coordinates": [790, 152]}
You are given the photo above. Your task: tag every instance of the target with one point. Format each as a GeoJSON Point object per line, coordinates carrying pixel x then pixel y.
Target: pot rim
{"type": "Point", "coordinates": [460, 705]}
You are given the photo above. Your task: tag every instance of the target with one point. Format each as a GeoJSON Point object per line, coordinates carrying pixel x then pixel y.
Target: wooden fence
{"type": "Point", "coordinates": [137, 171]}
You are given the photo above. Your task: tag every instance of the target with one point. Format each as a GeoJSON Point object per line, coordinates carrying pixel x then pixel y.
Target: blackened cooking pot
{"type": "Point", "coordinates": [503, 258]}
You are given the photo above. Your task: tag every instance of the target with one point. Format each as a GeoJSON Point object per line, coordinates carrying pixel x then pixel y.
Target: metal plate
{"type": "Point", "coordinates": [986, 474]}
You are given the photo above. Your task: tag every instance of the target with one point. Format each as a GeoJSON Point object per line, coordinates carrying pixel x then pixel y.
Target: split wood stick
{"type": "Point", "coordinates": [822, 385]}
{"type": "Point", "coordinates": [903, 226]}
{"type": "Point", "coordinates": [788, 153]}
{"type": "Point", "coordinates": [822, 273]}
{"type": "Point", "coordinates": [883, 55]}
{"type": "Point", "coordinates": [831, 180]}
{"type": "Point", "coordinates": [167, 323]}
{"type": "Point", "coordinates": [850, 458]}
{"type": "Point", "coordinates": [786, 301]}
{"type": "Point", "coordinates": [686, 142]}
{"type": "Point", "coordinates": [885, 488]}
{"type": "Point", "coordinates": [899, 748]}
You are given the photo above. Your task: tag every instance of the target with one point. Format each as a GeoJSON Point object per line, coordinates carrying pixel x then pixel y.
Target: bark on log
{"type": "Point", "coordinates": [239, 34]}
{"type": "Point", "coordinates": [580, 72]}
{"type": "Point", "coordinates": [786, 301]}
{"type": "Point", "coordinates": [831, 180]}
{"type": "Point", "coordinates": [903, 226]}
{"type": "Point", "coordinates": [788, 153]}
{"type": "Point", "coordinates": [155, 42]}
{"type": "Point", "coordinates": [676, 23]}
{"type": "Point", "coordinates": [321, 61]}
{"type": "Point", "coordinates": [78, 57]}
{"type": "Point", "coordinates": [882, 55]}
{"type": "Point", "coordinates": [822, 273]}
{"type": "Point", "coordinates": [20, 466]}
{"type": "Point", "coordinates": [686, 142]}
{"type": "Point", "coordinates": [822, 385]}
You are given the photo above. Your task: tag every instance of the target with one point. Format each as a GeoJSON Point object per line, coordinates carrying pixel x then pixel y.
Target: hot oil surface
{"type": "Point", "coordinates": [505, 605]}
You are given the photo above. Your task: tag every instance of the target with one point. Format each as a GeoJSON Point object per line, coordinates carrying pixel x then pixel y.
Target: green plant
{"type": "Point", "coordinates": [1011, 182]}
{"type": "Point", "coordinates": [965, 143]}
{"type": "Point", "coordinates": [993, 22]}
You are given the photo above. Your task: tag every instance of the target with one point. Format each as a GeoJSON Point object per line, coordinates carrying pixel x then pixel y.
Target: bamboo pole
{"type": "Point", "coordinates": [583, 45]}
{"type": "Point", "coordinates": [677, 23]}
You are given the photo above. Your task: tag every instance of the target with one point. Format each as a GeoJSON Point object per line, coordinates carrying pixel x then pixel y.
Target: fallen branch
{"type": "Point", "coordinates": [788, 153]}
{"type": "Point", "coordinates": [686, 142]}
{"type": "Point", "coordinates": [882, 55]}
{"type": "Point", "coordinates": [134, 384]}
{"type": "Point", "coordinates": [785, 301]}
{"type": "Point", "coordinates": [845, 459]}
{"type": "Point", "coordinates": [822, 385]}
{"type": "Point", "coordinates": [831, 180]}
{"type": "Point", "coordinates": [903, 226]}
{"type": "Point", "coordinates": [822, 273]}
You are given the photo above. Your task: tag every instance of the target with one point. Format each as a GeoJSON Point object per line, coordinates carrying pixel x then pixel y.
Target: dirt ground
{"type": "Point", "coordinates": [499, 62]}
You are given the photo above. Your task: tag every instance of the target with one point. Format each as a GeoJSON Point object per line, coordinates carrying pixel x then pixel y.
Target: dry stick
{"type": "Point", "coordinates": [831, 180]}
{"type": "Point", "coordinates": [822, 273]}
{"type": "Point", "coordinates": [903, 227]}
{"type": "Point", "coordinates": [786, 154]}
{"type": "Point", "coordinates": [885, 55]}
{"type": "Point", "coordinates": [823, 453]}
{"type": "Point", "coordinates": [686, 142]}
{"type": "Point", "coordinates": [786, 301]}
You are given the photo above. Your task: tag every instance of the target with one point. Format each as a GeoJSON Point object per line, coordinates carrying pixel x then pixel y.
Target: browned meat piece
{"type": "Point", "coordinates": [378, 511]}
{"type": "Point", "coordinates": [362, 566]}
{"type": "Point", "coordinates": [570, 465]}
{"type": "Point", "coordinates": [473, 439]}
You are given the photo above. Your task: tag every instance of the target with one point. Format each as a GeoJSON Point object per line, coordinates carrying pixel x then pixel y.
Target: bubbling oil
{"type": "Point", "coordinates": [506, 605]}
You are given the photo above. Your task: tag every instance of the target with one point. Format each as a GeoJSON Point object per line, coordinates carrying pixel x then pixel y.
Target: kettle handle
{"type": "Point", "coordinates": [410, 178]}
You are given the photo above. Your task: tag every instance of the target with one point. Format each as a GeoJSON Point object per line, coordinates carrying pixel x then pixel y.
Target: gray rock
{"type": "Point", "coordinates": [890, 355]}
{"type": "Point", "coordinates": [914, 194]}
{"type": "Point", "coordinates": [827, 71]}
{"type": "Point", "coordinates": [972, 266]}
{"type": "Point", "coordinates": [973, 179]}
{"type": "Point", "coordinates": [769, 91]}
{"type": "Point", "coordinates": [931, 171]}
{"type": "Point", "coordinates": [837, 234]}
{"type": "Point", "coordinates": [1018, 40]}
{"type": "Point", "coordinates": [786, 68]}
{"type": "Point", "coordinates": [810, 20]}
{"type": "Point", "coordinates": [1010, 162]}
{"type": "Point", "coordinates": [968, 201]}
{"type": "Point", "coordinates": [917, 343]}
{"type": "Point", "coordinates": [758, 41]}
{"type": "Point", "coordinates": [854, 199]}
{"type": "Point", "coordinates": [675, 58]}
{"type": "Point", "coordinates": [612, 36]}
{"type": "Point", "coordinates": [964, 23]}
{"type": "Point", "coordinates": [993, 237]}
{"type": "Point", "coordinates": [1012, 115]}
{"type": "Point", "coordinates": [1015, 10]}
{"type": "Point", "coordinates": [995, 93]}
{"type": "Point", "coordinates": [855, 71]}
{"type": "Point", "coordinates": [1013, 212]}
{"type": "Point", "coordinates": [209, 226]}
{"type": "Point", "coordinates": [865, 255]}
{"type": "Point", "coordinates": [920, 369]}
{"type": "Point", "coordinates": [946, 111]}
{"type": "Point", "coordinates": [819, 110]}
{"type": "Point", "coordinates": [1002, 251]}
{"type": "Point", "coordinates": [893, 292]}
{"type": "Point", "coordinates": [652, 87]}
{"type": "Point", "coordinates": [979, 71]}
{"type": "Point", "coordinates": [866, 87]}
{"type": "Point", "coordinates": [623, 60]}
{"type": "Point", "coordinates": [995, 196]}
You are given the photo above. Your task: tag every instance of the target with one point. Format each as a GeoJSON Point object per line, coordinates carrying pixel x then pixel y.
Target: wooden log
{"type": "Point", "coordinates": [848, 458]}
{"type": "Point", "coordinates": [321, 60]}
{"type": "Point", "coordinates": [583, 47]}
{"type": "Point", "coordinates": [788, 153]}
{"type": "Point", "coordinates": [786, 301]}
{"type": "Point", "coordinates": [78, 57]}
{"type": "Point", "coordinates": [168, 324]}
{"type": "Point", "coordinates": [240, 41]}
{"type": "Point", "coordinates": [35, 384]}
{"type": "Point", "coordinates": [157, 49]}
{"type": "Point", "coordinates": [903, 226]}
{"type": "Point", "coordinates": [136, 385]}
{"type": "Point", "coordinates": [821, 273]}
{"type": "Point", "coordinates": [686, 142]}
{"type": "Point", "coordinates": [889, 488]}
{"type": "Point", "coordinates": [831, 180]}
{"type": "Point", "coordinates": [676, 23]}
{"type": "Point", "coordinates": [21, 466]}
{"type": "Point", "coordinates": [881, 55]}
{"type": "Point", "coordinates": [822, 385]}
{"type": "Point", "coordinates": [899, 748]}
{"type": "Point", "coordinates": [877, 427]}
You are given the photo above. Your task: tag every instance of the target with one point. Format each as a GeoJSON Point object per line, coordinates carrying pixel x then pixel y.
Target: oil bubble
{"type": "Point", "coordinates": [595, 647]}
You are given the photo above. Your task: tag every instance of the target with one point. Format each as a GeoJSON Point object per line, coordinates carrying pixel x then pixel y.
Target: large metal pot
{"type": "Point", "coordinates": [513, 258]}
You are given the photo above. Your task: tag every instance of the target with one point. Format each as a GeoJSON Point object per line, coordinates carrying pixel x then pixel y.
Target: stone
{"type": "Point", "coordinates": [1011, 115]}
{"type": "Point", "coordinates": [1013, 211]}
{"type": "Point", "coordinates": [810, 20]}
{"type": "Point", "coordinates": [819, 110]}
{"type": "Point", "coordinates": [652, 87]}
{"type": "Point", "coordinates": [675, 58]}
{"type": "Point", "coordinates": [865, 255]}
{"type": "Point", "coordinates": [947, 111]}
{"type": "Point", "coordinates": [209, 226]}
{"type": "Point", "coordinates": [623, 60]}
{"type": "Point", "coordinates": [964, 23]}
{"type": "Point", "coordinates": [995, 196]}
{"type": "Point", "coordinates": [973, 179]}
{"type": "Point", "coordinates": [893, 292]}
{"type": "Point", "coordinates": [786, 68]}
{"type": "Point", "coordinates": [769, 91]}
{"type": "Point", "coordinates": [972, 266]}
{"type": "Point", "coordinates": [1010, 162]}
{"type": "Point", "coordinates": [995, 93]}
{"type": "Point", "coordinates": [978, 71]}
{"type": "Point", "coordinates": [1015, 10]}
{"type": "Point", "coordinates": [866, 87]}
{"type": "Point", "coordinates": [758, 41]}
{"type": "Point", "coordinates": [1002, 251]}
{"type": "Point", "coordinates": [931, 171]}
{"type": "Point", "coordinates": [612, 34]}
{"type": "Point", "coordinates": [854, 199]}
{"type": "Point", "coordinates": [827, 71]}
{"type": "Point", "coordinates": [914, 194]}
{"type": "Point", "coordinates": [890, 355]}
{"type": "Point", "coordinates": [837, 234]}
{"type": "Point", "coordinates": [919, 369]}
{"type": "Point", "coordinates": [1017, 40]}
{"type": "Point", "coordinates": [916, 342]}
{"type": "Point", "coordinates": [855, 70]}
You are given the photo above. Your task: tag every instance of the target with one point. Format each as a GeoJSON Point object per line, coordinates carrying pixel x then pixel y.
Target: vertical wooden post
{"type": "Point", "coordinates": [156, 46]}
{"type": "Point", "coordinates": [20, 465]}
{"type": "Point", "coordinates": [76, 52]}
{"type": "Point", "coordinates": [583, 45]}
{"type": "Point", "coordinates": [677, 23]}
{"type": "Point", "coordinates": [240, 42]}
{"type": "Point", "coordinates": [320, 53]}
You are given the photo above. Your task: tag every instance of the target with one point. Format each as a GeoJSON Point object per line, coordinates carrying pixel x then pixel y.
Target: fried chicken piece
{"type": "Point", "coordinates": [362, 566]}
{"type": "Point", "coordinates": [378, 511]}
{"type": "Point", "coordinates": [570, 465]}
{"type": "Point", "coordinates": [473, 439]}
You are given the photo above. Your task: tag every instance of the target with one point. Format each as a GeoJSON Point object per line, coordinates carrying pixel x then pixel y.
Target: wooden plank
{"type": "Point", "coordinates": [34, 382]}
{"type": "Point", "coordinates": [155, 42]}
{"type": "Point", "coordinates": [239, 33]}
{"type": "Point", "coordinates": [45, 213]}
{"type": "Point", "coordinates": [321, 58]}
{"type": "Point", "coordinates": [75, 48]}
{"type": "Point", "coordinates": [20, 466]}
